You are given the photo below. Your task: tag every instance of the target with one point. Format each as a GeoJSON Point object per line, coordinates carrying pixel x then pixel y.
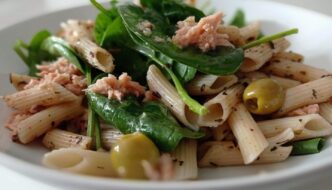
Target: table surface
{"type": "Point", "coordinates": [13, 11]}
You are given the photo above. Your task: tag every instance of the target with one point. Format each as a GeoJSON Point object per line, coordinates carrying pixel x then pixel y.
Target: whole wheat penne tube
{"type": "Point", "coordinates": [225, 153]}
{"type": "Point", "coordinates": [39, 123]}
{"type": "Point", "coordinates": [250, 32]}
{"type": "Point", "coordinates": [304, 127]}
{"type": "Point", "coordinates": [57, 138]}
{"type": "Point", "coordinates": [79, 161]}
{"type": "Point", "coordinates": [158, 83]}
{"type": "Point", "coordinates": [234, 34]}
{"type": "Point", "coordinates": [221, 106]}
{"type": "Point", "coordinates": [285, 83]}
{"type": "Point", "coordinates": [220, 132]}
{"type": "Point", "coordinates": [210, 84]}
{"type": "Point", "coordinates": [45, 94]}
{"type": "Point", "coordinates": [293, 70]}
{"type": "Point", "coordinates": [250, 138]}
{"type": "Point", "coordinates": [312, 92]}
{"type": "Point", "coordinates": [290, 56]}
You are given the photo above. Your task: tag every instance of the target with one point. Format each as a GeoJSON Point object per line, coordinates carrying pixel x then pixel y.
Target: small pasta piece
{"type": "Point", "coordinates": [313, 92]}
{"type": "Point", "coordinates": [291, 56]}
{"type": "Point", "coordinates": [225, 153]}
{"type": "Point", "coordinates": [325, 110]}
{"type": "Point", "coordinates": [221, 106]}
{"type": "Point", "coordinates": [185, 160]}
{"type": "Point", "coordinates": [284, 82]}
{"type": "Point", "coordinates": [249, 137]}
{"type": "Point", "coordinates": [234, 34]}
{"type": "Point", "coordinates": [220, 132]}
{"type": "Point", "coordinates": [159, 84]}
{"type": "Point", "coordinates": [79, 161]}
{"type": "Point", "coordinates": [56, 139]}
{"type": "Point", "coordinates": [257, 56]}
{"type": "Point", "coordinates": [19, 81]}
{"type": "Point", "coordinates": [210, 84]}
{"type": "Point", "coordinates": [39, 123]}
{"type": "Point", "coordinates": [304, 127]}
{"type": "Point", "coordinates": [296, 71]}
{"type": "Point", "coordinates": [45, 94]}
{"type": "Point", "coordinates": [250, 32]}
{"type": "Point", "coordinates": [94, 55]}
{"type": "Point", "coordinates": [110, 136]}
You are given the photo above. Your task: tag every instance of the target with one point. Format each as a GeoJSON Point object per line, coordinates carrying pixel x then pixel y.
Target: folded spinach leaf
{"type": "Point", "coordinates": [151, 118]}
{"type": "Point", "coordinates": [222, 61]}
{"type": "Point", "coordinates": [35, 55]}
{"type": "Point", "coordinates": [239, 19]}
{"type": "Point", "coordinates": [184, 72]}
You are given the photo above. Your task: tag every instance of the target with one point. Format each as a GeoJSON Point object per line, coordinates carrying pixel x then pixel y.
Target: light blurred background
{"type": "Point", "coordinates": [13, 11]}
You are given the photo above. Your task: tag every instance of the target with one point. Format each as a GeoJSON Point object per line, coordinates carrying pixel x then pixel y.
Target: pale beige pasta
{"type": "Point", "coordinates": [19, 81]}
{"type": "Point", "coordinates": [109, 137]}
{"type": "Point", "coordinates": [304, 127]}
{"type": "Point", "coordinates": [257, 56]}
{"type": "Point", "coordinates": [94, 55]}
{"type": "Point", "coordinates": [157, 82]}
{"type": "Point", "coordinates": [296, 71]}
{"type": "Point", "coordinates": [45, 94]}
{"type": "Point", "coordinates": [220, 132]}
{"type": "Point", "coordinates": [285, 83]}
{"type": "Point", "coordinates": [253, 76]}
{"type": "Point", "coordinates": [225, 153]}
{"type": "Point", "coordinates": [210, 84]}
{"type": "Point", "coordinates": [79, 161]}
{"type": "Point", "coordinates": [291, 56]}
{"type": "Point", "coordinates": [234, 34]}
{"type": "Point", "coordinates": [73, 30]}
{"type": "Point", "coordinates": [39, 123]}
{"type": "Point", "coordinates": [313, 92]}
{"type": "Point", "coordinates": [57, 138]}
{"type": "Point", "coordinates": [185, 161]}
{"type": "Point", "coordinates": [325, 110]}
{"type": "Point", "coordinates": [221, 106]}
{"type": "Point", "coordinates": [249, 137]}
{"type": "Point", "coordinates": [250, 32]}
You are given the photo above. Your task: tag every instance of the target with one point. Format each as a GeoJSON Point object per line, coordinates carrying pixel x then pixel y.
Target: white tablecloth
{"type": "Point", "coordinates": [13, 11]}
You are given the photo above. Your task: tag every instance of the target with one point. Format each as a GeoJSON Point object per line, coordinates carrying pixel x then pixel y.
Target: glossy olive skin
{"type": "Point", "coordinates": [263, 96]}
{"type": "Point", "coordinates": [128, 153]}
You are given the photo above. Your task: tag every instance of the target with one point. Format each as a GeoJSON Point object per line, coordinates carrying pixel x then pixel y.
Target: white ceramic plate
{"type": "Point", "coordinates": [313, 42]}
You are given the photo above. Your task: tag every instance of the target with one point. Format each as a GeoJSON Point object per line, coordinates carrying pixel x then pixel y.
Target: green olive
{"type": "Point", "coordinates": [128, 153]}
{"type": "Point", "coordinates": [263, 96]}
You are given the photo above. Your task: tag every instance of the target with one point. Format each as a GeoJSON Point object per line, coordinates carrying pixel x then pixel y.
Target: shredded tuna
{"type": "Point", "coordinates": [310, 109]}
{"type": "Point", "coordinates": [163, 171]}
{"type": "Point", "coordinates": [115, 88]}
{"type": "Point", "coordinates": [62, 72]}
{"type": "Point", "coordinates": [12, 122]}
{"type": "Point", "coordinates": [72, 30]}
{"type": "Point", "coordinates": [203, 34]}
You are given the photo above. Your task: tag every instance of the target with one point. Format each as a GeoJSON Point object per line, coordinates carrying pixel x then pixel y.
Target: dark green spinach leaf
{"type": "Point", "coordinates": [239, 19]}
{"type": "Point", "coordinates": [184, 72]}
{"type": "Point", "coordinates": [152, 118]}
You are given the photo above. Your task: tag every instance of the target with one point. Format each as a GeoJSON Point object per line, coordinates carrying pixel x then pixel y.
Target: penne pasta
{"type": "Point", "coordinates": [285, 83]}
{"type": "Point", "coordinates": [256, 57]}
{"type": "Point", "coordinates": [313, 92]}
{"type": "Point", "coordinates": [80, 161]}
{"type": "Point", "coordinates": [248, 135]}
{"type": "Point", "coordinates": [250, 32]}
{"type": "Point", "coordinates": [225, 153]}
{"type": "Point", "coordinates": [73, 30]}
{"type": "Point", "coordinates": [325, 110]}
{"type": "Point", "coordinates": [39, 123]}
{"type": "Point", "coordinates": [19, 81]}
{"type": "Point", "coordinates": [290, 56]}
{"type": "Point", "coordinates": [45, 94]}
{"type": "Point", "coordinates": [220, 132]}
{"type": "Point", "coordinates": [252, 76]}
{"type": "Point", "coordinates": [56, 139]}
{"type": "Point", "coordinates": [295, 71]}
{"type": "Point", "coordinates": [210, 84]}
{"type": "Point", "coordinates": [110, 136]}
{"type": "Point", "coordinates": [185, 160]}
{"type": "Point", "coordinates": [158, 83]}
{"type": "Point", "coordinates": [221, 106]}
{"type": "Point", "coordinates": [234, 34]}
{"type": "Point", "coordinates": [94, 55]}
{"type": "Point", "coordinates": [304, 127]}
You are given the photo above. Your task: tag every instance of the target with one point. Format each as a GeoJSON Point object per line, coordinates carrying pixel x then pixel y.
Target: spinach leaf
{"type": "Point", "coordinates": [35, 55]}
{"type": "Point", "coordinates": [239, 19]}
{"type": "Point", "coordinates": [58, 47]}
{"type": "Point", "coordinates": [151, 118]}
{"type": "Point", "coordinates": [184, 72]}
{"type": "Point", "coordinates": [222, 61]}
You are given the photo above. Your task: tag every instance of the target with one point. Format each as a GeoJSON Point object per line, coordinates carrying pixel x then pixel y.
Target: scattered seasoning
{"type": "Point", "coordinates": [231, 147]}
{"type": "Point", "coordinates": [289, 76]}
{"type": "Point", "coordinates": [329, 75]}
{"type": "Point", "coordinates": [300, 120]}
{"type": "Point", "coordinates": [234, 109]}
{"type": "Point", "coordinates": [213, 164]}
{"type": "Point", "coordinates": [235, 143]}
{"type": "Point", "coordinates": [224, 93]}
{"type": "Point", "coordinates": [219, 120]}
{"type": "Point", "coordinates": [92, 54]}
{"type": "Point", "coordinates": [175, 160]}
{"type": "Point", "coordinates": [181, 163]}
{"type": "Point", "coordinates": [314, 93]}
{"type": "Point", "coordinates": [156, 94]}
{"type": "Point", "coordinates": [202, 88]}
{"type": "Point", "coordinates": [271, 44]}
{"type": "Point", "coordinates": [100, 167]}
{"type": "Point", "coordinates": [273, 148]}
{"type": "Point", "coordinates": [53, 123]}
{"type": "Point", "coordinates": [303, 72]}
{"type": "Point", "coordinates": [258, 158]}
{"type": "Point", "coordinates": [80, 138]}
{"type": "Point", "coordinates": [251, 129]}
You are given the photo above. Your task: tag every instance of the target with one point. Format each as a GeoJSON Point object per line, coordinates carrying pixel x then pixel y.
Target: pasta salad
{"type": "Point", "coordinates": [155, 89]}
